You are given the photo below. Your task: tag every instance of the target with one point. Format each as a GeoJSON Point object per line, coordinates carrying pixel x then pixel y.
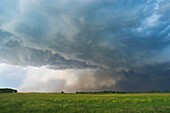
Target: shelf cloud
{"type": "Point", "coordinates": [113, 44]}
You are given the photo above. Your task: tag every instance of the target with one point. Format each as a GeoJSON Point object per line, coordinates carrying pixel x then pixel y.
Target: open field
{"type": "Point", "coordinates": [84, 103]}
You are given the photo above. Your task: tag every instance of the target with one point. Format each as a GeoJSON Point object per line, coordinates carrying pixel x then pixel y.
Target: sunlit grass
{"type": "Point", "coordinates": [82, 103]}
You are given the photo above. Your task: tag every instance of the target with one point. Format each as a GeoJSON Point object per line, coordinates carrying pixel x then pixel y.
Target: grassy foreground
{"type": "Point", "coordinates": [84, 103]}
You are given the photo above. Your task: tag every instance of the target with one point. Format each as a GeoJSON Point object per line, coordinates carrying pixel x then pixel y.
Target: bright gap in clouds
{"type": "Point", "coordinates": [43, 79]}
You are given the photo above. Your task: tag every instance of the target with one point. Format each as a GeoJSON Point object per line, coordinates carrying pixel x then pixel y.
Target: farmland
{"type": "Point", "coordinates": [84, 103]}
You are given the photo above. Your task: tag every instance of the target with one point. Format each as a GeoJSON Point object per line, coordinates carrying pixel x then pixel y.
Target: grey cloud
{"type": "Point", "coordinates": [96, 80]}
{"type": "Point", "coordinates": [146, 78]}
{"type": "Point", "coordinates": [112, 35]}
{"type": "Point", "coordinates": [15, 53]}
{"type": "Point", "coordinates": [99, 32]}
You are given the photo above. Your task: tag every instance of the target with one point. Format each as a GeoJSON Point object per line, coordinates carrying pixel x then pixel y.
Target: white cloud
{"type": "Point", "coordinates": [152, 20]}
{"type": "Point", "coordinates": [46, 80]}
{"type": "Point", "coordinates": [25, 4]}
{"type": "Point", "coordinates": [43, 79]}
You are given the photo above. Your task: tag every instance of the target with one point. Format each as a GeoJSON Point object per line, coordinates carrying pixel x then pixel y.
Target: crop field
{"type": "Point", "coordinates": [84, 103]}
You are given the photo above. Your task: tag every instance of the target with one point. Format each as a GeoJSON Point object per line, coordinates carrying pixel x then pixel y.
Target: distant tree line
{"type": "Point", "coordinates": [7, 90]}
{"type": "Point", "coordinates": [100, 92]}
{"type": "Point", "coordinates": [122, 92]}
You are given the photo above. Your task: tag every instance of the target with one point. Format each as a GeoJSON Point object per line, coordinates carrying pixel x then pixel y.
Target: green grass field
{"type": "Point", "coordinates": [84, 103]}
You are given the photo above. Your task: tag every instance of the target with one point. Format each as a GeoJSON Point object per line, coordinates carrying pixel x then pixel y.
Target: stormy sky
{"type": "Point", "coordinates": [85, 45]}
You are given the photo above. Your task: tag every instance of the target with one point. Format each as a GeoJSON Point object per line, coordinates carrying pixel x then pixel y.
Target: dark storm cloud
{"type": "Point", "coordinates": [147, 78]}
{"type": "Point", "coordinates": [113, 36]}
{"type": "Point", "coordinates": [110, 33]}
